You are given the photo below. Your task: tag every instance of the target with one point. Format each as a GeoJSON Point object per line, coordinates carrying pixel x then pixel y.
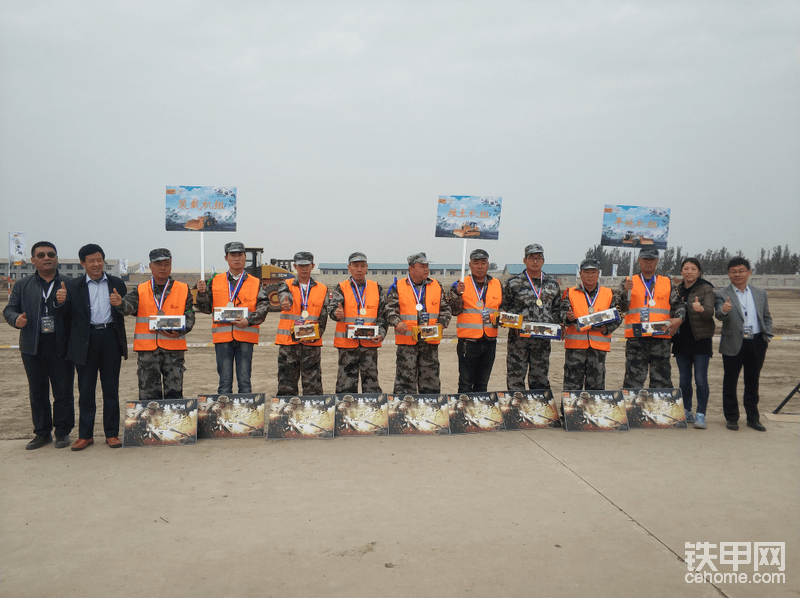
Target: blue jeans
{"type": "Point", "coordinates": [686, 361]}
{"type": "Point", "coordinates": [242, 354]}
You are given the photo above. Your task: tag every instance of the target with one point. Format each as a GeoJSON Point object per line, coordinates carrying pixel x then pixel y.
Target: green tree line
{"type": "Point", "coordinates": [778, 260]}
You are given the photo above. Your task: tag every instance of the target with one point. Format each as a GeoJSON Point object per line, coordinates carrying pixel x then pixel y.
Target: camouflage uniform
{"type": "Point", "coordinates": [296, 361]}
{"type": "Point", "coordinates": [363, 360]}
{"type": "Point", "coordinates": [417, 365]}
{"type": "Point", "coordinates": [530, 355]}
{"type": "Point", "coordinates": [586, 368]}
{"type": "Point", "coordinates": [160, 372]}
{"type": "Point", "coordinates": [651, 353]}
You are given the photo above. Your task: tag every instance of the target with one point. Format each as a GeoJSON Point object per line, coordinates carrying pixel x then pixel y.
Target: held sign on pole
{"type": "Point", "coordinates": [468, 217]}
{"type": "Point", "coordinates": [201, 209]}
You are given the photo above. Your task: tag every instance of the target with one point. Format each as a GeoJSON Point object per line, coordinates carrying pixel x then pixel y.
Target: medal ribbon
{"type": "Point", "coordinates": [420, 296]}
{"type": "Point", "coordinates": [482, 292]}
{"type": "Point", "coordinates": [232, 293]}
{"type": "Point", "coordinates": [541, 284]}
{"type": "Point", "coordinates": [647, 286]}
{"type": "Point", "coordinates": [304, 296]}
{"type": "Point", "coordinates": [163, 293]}
{"type": "Point", "coordinates": [357, 292]}
{"type": "Point", "coordinates": [589, 300]}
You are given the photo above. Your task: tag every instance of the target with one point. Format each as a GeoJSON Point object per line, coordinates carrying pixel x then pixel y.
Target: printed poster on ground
{"type": "Point", "coordinates": [160, 423]}
{"type": "Point", "coordinates": [425, 414]}
{"type": "Point", "coordinates": [655, 407]}
{"type": "Point", "coordinates": [471, 413]}
{"type": "Point", "coordinates": [528, 409]}
{"type": "Point", "coordinates": [594, 411]}
{"type": "Point", "coordinates": [231, 415]}
{"type": "Point", "coordinates": [302, 417]}
{"type": "Point", "coordinates": [362, 415]}
{"type": "Point", "coordinates": [201, 209]}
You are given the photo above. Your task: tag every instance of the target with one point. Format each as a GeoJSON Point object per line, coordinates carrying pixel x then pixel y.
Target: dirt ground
{"type": "Point", "coordinates": [525, 513]}
{"type": "Point", "coordinates": [778, 377]}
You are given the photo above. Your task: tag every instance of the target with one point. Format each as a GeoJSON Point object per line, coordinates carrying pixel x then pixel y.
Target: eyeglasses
{"type": "Point", "coordinates": [536, 259]}
{"type": "Point", "coordinates": [48, 254]}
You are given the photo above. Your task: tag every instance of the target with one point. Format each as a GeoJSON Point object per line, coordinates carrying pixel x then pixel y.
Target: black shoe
{"type": "Point", "coordinates": [62, 441]}
{"type": "Point", "coordinates": [757, 426]}
{"type": "Point", "coordinates": [732, 425]}
{"type": "Point", "coordinates": [39, 442]}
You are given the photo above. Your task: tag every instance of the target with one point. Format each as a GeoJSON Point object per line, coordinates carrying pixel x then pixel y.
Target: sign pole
{"type": "Point", "coordinates": [202, 256]}
{"type": "Point", "coordinates": [463, 260]}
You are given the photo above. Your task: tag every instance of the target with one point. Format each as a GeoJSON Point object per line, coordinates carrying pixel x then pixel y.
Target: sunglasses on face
{"type": "Point", "coordinates": [48, 254]}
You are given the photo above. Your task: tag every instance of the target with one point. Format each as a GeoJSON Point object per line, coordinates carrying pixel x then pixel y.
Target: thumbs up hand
{"type": "Point", "coordinates": [114, 298]}
{"type": "Point", "coordinates": [339, 313]}
{"type": "Point", "coordinates": [286, 304]}
{"type": "Point", "coordinates": [726, 307]}
{"type": "Point", "coordinates": [696, 305]}
{"type": "Point", "coordinates": [21, 321]}
{"type": "Point", "coordinates": [61, 294]}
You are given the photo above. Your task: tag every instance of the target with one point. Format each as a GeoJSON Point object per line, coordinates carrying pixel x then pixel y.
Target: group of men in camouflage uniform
{"type": "Point", "coordinates": [418, 308]}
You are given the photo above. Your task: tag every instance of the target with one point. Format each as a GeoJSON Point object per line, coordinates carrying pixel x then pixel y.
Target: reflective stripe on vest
{"type": "Point", "coordinates": [316, 301]}
{"type": "Point", "coordinates": [580, 307]}
{"type": "Point", "coordinates": [145, 339]}
{"type": "Point", "coordinates": [658, 313]}
{"type": "Point", "coordinates": [371, 302]}
{"type": "Point", "coordinates": [469, 323]}
{"type": "Point", "coordinates": [224, 332]}
{"type": "Point", "coordinates": [408, 309]}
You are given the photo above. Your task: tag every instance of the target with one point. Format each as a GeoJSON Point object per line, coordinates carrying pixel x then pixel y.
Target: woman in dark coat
{"type": "Point", "coordinates": [692, 345]}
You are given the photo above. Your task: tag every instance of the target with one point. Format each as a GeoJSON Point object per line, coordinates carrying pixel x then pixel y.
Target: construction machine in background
{"type": "Point", "coordinates": [271, 275]}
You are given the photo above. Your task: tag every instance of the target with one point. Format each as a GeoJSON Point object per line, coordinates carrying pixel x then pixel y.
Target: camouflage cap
{"type": "Point", "coordinates": [347, 398]}
{"type": "Point", "coordinates": [294, 401]}
{"type": "Point", "coordinates": [356, 257]}
{"type": "Point", "coordinates": [478, 254]}
{"type": "Point", "coordinates": [418, 258]}
{"type": "Point", "coordinates": [463, 398]}
{"type": "Point", "coordinates": [234, 247]}
{"type": "Point", "coordinates": [644, 393]}
{"type": "Point", "coordinates": [152, 405]}
{"type": "Point", "coordinates": [534, 248]}
{"type": "Point", "coordinates": [585, 395]}
{"type": "Point", "coordinates": [408, 399]}
{"type": "Point", "coordinates": [223, 399]}
{"type": "Point", "coordinates": [160, 254]}
{"type": "Point", "coordinates": [648, 252]}
{"type": "Point", "coordinates": [590, 264]}
{"type": "Point", "coordinates": [303, 258]}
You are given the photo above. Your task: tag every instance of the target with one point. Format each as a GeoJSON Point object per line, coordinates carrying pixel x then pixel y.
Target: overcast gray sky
{"type": "Point", "coordinates": [341, 123]}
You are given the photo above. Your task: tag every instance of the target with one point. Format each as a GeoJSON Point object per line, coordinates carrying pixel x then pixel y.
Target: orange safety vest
{"type": "Point", "coordinates": [659, 312]}
{"type": "Point", "coordinates": [469, 323]}
{"type": "Point", "coordinates": [225, 332]}
{"type": "Point", "coordinates": [316, 300]}
{"type": "Point", "coordinates": [145, 339]}
{"type": "Point", "coordinates": [408, 309]}
{"type": "Point", "coordinates": [590, 337]}
{"type": "Point", "coordinates": [372, 300]}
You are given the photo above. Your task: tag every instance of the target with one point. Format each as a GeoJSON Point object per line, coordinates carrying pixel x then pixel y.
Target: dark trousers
{"type": "Point", "coordinates": [475, 361]}
{"type": "Point", "coordinates": [103, 356]}
{"type": "Point", "coordinates": [751, 358]}
{"type": "Point", "coordinates": [46, 369]}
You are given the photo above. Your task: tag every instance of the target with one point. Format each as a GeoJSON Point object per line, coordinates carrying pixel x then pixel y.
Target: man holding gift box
{"type": "Point", "coordinates": [357, 302]}
{"type": "Point", "coordinates": [302, 306]}
{"type": "Point", "coordinates": [160, 353]}
{"type": "Point", "coordinates": [585, 355]}
{"type": "Point", "coordinates": [234, 341]}
{"type": "Point", "coordinates": [652, 299]}
{"type": "Point", "coordinates": [537, 298]}
{"type": "Point", "coordinates": [417, 300]}
{"type": "Point", "coordinates": [473, 301]}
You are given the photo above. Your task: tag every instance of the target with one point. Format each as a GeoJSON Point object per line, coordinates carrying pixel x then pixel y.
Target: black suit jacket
{"type": "Point", "coordinates": [80, 310]}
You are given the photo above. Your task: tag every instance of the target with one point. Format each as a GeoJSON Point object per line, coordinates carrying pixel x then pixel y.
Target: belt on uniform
{"type": "Point", "coordinates": [102, 326]}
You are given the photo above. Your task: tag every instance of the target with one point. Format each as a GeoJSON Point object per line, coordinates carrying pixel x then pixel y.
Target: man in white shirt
{"type": "Point", "coordinates": [746, 332]}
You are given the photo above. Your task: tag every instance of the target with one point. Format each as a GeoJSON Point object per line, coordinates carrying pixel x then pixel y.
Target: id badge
{"type": "Point", "coordinates": [424, 318]}
{"type": "Point", "coordinates": [644, 314]}
{"type": "Point", "coordinates": [359, 321]}
{"type": "Point", "coordinates": [486, 314]}
{"type": "Point", "coordinates": [48, 324]}
{"type": "Point", "coordinates": [747, 333]}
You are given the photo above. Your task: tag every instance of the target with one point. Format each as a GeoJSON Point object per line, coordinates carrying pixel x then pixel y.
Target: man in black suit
{"type": "Point", "coordinates": [97, 343]}
{"type": "Point", "coordinates": [746, 332]}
